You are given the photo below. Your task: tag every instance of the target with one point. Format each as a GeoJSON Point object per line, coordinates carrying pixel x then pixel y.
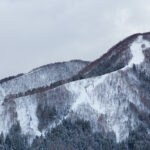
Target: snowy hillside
{"type": "Point", "coordinates": [113, 95]}
{"type": "Point", "coordinates": [42, 76]}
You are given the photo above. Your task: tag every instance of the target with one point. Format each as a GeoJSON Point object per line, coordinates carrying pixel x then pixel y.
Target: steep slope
{"type": "Point", "coordinates": [116, 102]}
{"type": "Point", "coordinates": [109, 102]}
{"type": "Point", "coordinates": [116, 58]}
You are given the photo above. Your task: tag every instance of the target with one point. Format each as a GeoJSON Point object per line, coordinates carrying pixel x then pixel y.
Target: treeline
{"type": "Point", "coordinates": [41, 89]}
{"type": "Point", "coordinates": [74, 136]}
{"type": "Point", "coordinates": [10, 78]}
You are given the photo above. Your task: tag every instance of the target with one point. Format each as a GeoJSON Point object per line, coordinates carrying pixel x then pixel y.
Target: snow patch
{"type": "Point", "coordinates": [137, 48]}
{"type": "Point", "coordinates": [148, 131]}
{"type": "Point", "coordinates": [5, 123]}
{"type": "Point", "coordinates": [26, 113]}
{"type": "Point", "coordinates": [116, 129]}
{"type": "Point", "coordinates": [85, 94]}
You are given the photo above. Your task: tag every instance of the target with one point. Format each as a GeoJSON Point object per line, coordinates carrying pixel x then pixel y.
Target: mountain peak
{"type": "Point", "coordinates": [127, 52]}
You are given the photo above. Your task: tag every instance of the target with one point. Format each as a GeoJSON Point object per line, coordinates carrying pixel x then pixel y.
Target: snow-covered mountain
{"type": "Point", "coordinates": [112, 93]}
{"type": "Point", "coordinates": [41, 77]}
{"type": "Point", "coordinates": [116, 58]}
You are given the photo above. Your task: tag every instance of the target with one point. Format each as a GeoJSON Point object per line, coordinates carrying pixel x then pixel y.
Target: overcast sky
{"type": "Point", "coordinates": [38, 32]}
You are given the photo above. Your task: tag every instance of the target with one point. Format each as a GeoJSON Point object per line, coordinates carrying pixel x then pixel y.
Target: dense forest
{"type": "Point", "coordinates": [74, 136]}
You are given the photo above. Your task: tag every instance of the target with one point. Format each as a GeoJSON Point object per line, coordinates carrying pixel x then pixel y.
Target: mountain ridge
{"type": "Point", "coordinates": [83, 73]}
{"type": "Point", "coordinates": [112, 95]}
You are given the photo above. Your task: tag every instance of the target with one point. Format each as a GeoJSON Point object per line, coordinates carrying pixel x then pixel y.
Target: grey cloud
{"type": "Point", "coordinates": [37, 32]}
